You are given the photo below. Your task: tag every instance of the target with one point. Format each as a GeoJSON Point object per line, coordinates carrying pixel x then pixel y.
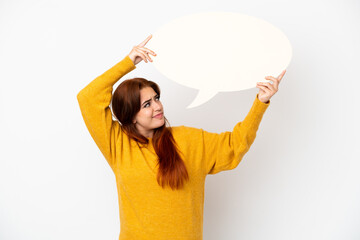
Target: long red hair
{"type": "Point", "coordinates": [125, 105]}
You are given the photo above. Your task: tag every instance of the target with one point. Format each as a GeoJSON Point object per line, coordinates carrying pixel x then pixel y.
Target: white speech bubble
{"type": "Point", "coordinates": [219, 52]}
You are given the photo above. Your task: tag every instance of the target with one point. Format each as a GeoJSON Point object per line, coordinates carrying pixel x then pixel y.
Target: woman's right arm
{"type": "Point", "coordinates": [94, 101]}
{"type": "Point", "coordinates": [95, 98]}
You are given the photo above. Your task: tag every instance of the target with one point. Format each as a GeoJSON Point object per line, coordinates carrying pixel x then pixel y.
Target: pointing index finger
{"type": "Point", "coordinates": [145, 41]}
{"type": "Point", "coordinates": [281, 75]}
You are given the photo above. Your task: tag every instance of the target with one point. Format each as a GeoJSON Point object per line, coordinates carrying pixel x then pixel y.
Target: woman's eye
{"type": "Point", "coordinates": [157, 97]}
{"type": "Point", "coordinates": [147, 104]}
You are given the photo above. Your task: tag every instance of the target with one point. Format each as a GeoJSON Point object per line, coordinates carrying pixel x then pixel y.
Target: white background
{"type": "Point", "coordinates": [300, 179]}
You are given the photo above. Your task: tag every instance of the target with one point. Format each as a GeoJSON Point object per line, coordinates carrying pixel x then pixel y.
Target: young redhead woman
{"type": "Point", "coordinates": [160, 170]}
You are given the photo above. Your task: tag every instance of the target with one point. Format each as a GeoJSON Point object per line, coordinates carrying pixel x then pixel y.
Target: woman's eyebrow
{"type": "Point", "coordinates": [149, 99]}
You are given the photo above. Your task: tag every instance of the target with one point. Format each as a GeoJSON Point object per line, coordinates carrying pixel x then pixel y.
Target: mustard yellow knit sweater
{"type": "Point", "coordinates": [147, 211]}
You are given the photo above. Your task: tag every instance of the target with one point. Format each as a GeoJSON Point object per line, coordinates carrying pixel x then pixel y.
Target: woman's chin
{"type": "Point", "coordinates": [160, 124]}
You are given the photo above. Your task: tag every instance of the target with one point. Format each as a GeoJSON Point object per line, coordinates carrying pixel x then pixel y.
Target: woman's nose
{"type": "Point", "coordinates": [157, 105]}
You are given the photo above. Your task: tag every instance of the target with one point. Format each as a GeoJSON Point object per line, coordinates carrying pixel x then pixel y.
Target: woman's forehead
{"type": "Point", "coordinates": [147, 93]}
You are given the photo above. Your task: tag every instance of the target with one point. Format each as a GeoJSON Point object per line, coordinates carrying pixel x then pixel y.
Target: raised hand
{"type": "Point", "coordinates": [267, 90]}
{"type": "Point", "coordinates": [140, 52]}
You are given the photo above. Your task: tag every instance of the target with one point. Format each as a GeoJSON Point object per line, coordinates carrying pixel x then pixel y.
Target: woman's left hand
{"type": "Point", "coordinates": [267, 90]}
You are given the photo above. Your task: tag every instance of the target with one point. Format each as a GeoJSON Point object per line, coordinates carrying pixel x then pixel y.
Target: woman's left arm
{"type": "Point", "coordinates": [224, 151]}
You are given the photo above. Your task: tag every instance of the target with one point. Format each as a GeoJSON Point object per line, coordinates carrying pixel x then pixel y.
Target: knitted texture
{"type": "Point", "coordinates": [147, 211]}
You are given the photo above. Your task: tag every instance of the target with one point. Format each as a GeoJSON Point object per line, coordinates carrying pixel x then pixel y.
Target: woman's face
{"type": "Point", "coordinates": [151, 114]}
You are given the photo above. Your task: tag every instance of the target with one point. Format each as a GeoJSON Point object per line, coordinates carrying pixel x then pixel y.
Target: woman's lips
{"type": "Point", "coordinates": [160, 115]}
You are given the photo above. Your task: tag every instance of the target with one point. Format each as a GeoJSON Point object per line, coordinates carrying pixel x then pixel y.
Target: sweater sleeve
{"type": "Point", "coordinates": [94, 101]}
{"type": "Point", "coordinates": [224, 151]}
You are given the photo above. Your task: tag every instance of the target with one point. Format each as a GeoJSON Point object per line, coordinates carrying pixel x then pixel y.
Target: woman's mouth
{"type": "Point", "coordinates": [159, 116]}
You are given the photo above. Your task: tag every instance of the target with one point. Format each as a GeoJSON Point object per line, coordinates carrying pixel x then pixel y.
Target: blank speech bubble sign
{"type": "Point", "coordinates": [219, 52]}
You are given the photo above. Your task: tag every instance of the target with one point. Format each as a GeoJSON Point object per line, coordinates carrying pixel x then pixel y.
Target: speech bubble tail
{"type": "Point", "coordinates": [201, 97]}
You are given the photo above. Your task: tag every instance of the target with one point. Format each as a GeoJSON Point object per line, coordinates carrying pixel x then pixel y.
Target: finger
{"type": "Point", "coordinates": [145, 54]}
{"type": "Point", "coordinates": [274, 85]}
{"type": "Point", "coordinates": [145, 41]}
{"type": "Point", "coordinates": [264, 88]}
{"type": "Point", "coordinates": [275, 81]}
{"type": "Point", "coordinates": [148, 50]}
{"type": "Point", "coordinates": [281, 75]}
{"type": "Point", "coordinates": [266, 85]}
{"type": "Point", "coordinates": [142, 55]}
{"type": "Point", "coordinates": [269, 85]}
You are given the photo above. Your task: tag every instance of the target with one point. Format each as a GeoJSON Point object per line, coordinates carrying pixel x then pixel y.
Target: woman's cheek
{"type": "Point", "coordinates": [148, 113]}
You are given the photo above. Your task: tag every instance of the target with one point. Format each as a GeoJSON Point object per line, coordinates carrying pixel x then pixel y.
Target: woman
{"type": "Point", "coordinates": [160, 170]}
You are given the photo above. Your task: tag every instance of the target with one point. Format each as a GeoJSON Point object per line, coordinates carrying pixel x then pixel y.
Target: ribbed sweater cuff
{"type": "Point", "coordinates": [259, 106]}
{"type": "Point", "coordinates": [128, 62]}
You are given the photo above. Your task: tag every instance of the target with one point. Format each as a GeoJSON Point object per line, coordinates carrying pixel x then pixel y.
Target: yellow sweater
{"type": "Point", "coordinates": [147, 211]}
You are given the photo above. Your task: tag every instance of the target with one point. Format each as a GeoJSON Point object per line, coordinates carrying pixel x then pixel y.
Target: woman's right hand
{"type": "Point", "coordinates": [139, 52]}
